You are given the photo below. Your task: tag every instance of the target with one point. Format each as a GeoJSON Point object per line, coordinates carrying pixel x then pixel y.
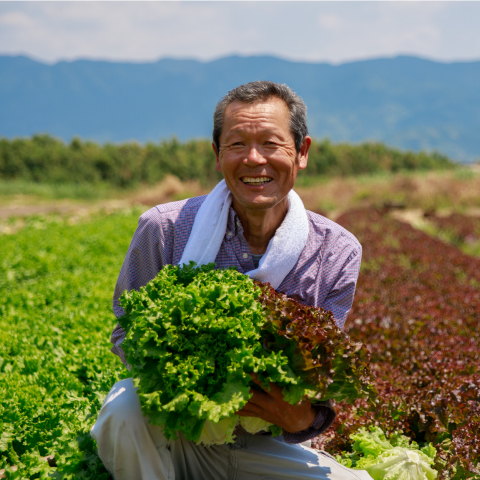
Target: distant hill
{"type": "Point", "coordinates": [406, 102]}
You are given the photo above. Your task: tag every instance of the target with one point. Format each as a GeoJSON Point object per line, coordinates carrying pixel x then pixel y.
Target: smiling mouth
{"type": "Point", "coordinates": [256, 180]}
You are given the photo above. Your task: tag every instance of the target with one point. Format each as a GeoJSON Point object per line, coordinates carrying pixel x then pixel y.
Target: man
{"type": "Point", "coordinates": [261, 141]}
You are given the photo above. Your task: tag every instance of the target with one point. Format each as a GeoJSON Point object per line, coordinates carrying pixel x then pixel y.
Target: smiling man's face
{"type": "Point", "coordinates": [257, 153]}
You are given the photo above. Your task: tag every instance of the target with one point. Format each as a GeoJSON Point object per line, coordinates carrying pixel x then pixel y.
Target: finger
{"type": "Point", "coordinates": [251, 409]}
{"type": "Point", "coordinates": [275, 391]}
{"type": "Point", "coordinates": [259, 399]}
{"type": "Point", "coordinates": [271, 385]}
{"type": "Point", "coordinates": [255, 378]}
{"type": "Point", "coordinates": [242, 413]}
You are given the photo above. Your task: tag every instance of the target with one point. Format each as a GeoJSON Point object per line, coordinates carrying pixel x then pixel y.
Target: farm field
{"type": "Point", "coordinates": [57, 280]}
{"type": "Point", "coordinates": [460, 230]}
{"type": "Point", "coordinates": [417, 307]}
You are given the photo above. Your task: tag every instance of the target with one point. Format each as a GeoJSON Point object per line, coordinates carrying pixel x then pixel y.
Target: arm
{"type": "Point", "coordinates": [144, 259]}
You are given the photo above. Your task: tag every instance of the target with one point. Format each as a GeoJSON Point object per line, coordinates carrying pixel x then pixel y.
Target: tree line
{"type": "Point", "coordinates": [45, 159]}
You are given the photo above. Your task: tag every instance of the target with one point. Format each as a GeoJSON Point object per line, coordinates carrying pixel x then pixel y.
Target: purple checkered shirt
{"type": "Point", "coordinates": [325, 275]}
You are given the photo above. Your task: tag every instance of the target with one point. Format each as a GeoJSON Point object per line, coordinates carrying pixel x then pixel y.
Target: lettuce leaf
{"type": "Point", "coordinates": [320, 354]}
{"type": "Point", "coordinates": [193, 336]}
{"type": "Point", "coordinates": [218, 433]}
{"type": "Point", "coordinates": [400, 463]}
{"type": "Point", "coordinates": [371, 443]}
{"type": "Point", "coordinates": [254, 424]}
{"type": "Point", "coordinates": [396, 458]}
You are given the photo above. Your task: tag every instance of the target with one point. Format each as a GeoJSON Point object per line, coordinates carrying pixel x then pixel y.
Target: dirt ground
{"type": "Point", "coordinates": [442, 192]}
{"type": "Point", "coordinates": [56, 208]}
{"type": "Point", "coordinates": [170, 189]}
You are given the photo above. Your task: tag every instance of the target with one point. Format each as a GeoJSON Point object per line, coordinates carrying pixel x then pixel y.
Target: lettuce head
{"type": "Point", "coordinates": [396, 458]}
{"type": "Point", "coordinates": [194, 336]}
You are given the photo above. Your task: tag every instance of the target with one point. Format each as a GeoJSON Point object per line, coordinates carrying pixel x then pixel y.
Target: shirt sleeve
{"type": "Point", "coordinates": [340, 298]}
{"type": "Point", "coordinates": [142, 263]}
{"type": "Point", "coordinates": [324, 418]}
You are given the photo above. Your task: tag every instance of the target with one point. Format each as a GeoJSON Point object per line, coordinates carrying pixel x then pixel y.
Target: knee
{"type": "Point", "coordinates": [121, 411]}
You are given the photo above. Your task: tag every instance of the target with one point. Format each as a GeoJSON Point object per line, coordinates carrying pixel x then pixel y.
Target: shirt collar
{"type": "Point", "coordinates": [234, 226]}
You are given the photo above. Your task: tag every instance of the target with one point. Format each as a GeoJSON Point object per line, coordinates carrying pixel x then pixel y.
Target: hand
{"type": "Point", "coordinates": [270, 406]}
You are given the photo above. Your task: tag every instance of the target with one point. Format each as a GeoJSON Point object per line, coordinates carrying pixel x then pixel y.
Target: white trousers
{"type": "Point", "coordinates": [132, 449]}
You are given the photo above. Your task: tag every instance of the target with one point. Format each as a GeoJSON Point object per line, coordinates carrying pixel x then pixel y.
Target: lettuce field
{"type": "Point", "coordinates": [56, 281]}
{"type": "Point", "coordinates": [417, 307]}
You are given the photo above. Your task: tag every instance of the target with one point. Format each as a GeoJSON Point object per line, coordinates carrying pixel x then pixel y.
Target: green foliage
{"type": "Point", "coordinates": [346, 159]}
{"type": "Point", "coordinates": [393, 459]}
{"type": "Point", "coordinates": [56, 281]}
{"type": "Point", "coordinates": [54, 191]}
{"type": "Point", "coordinates": [195, 334]}
{"type": "Point", "coordinates": [191, 341]}
{"type": "Point", "coordinates": [43, 159]}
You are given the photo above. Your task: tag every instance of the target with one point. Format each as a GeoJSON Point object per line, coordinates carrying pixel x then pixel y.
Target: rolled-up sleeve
{"type": "Point", "coordinates": [323, 420]}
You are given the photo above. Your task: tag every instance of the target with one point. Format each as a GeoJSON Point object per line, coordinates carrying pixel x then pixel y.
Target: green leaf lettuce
{"type": "Point", "coordinates": [194, 336]}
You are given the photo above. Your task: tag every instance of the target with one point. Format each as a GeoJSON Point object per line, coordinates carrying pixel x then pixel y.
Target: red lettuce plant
{"type": "Point", "coordinates": [417, 306]}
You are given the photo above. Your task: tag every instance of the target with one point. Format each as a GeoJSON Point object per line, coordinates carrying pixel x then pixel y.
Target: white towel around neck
{"type": "Point", "coordinates": [283, 250]}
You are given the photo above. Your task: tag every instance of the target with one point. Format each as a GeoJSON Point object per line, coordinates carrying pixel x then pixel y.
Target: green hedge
{"type": "Point", "coordinates": [44, 159]}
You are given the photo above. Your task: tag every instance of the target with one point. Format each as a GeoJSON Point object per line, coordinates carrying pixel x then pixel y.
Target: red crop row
{"type": "Point", "coordinates": [417, 307]}
{"type": "Point", "coordinates": [463, 227]}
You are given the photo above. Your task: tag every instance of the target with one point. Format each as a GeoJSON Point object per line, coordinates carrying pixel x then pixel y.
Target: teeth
{"type": "Point", "coordinates": [256, 180]}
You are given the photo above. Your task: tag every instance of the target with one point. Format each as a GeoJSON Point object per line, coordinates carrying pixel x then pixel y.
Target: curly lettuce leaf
{"type": "Point", "coordinates": [321, 355]}
{"type": "Point", "coordinates": [395, 458]}
{"type": "Point", "coordinates": [370, 443]}
{"type": "Point", "coordinates": [400, 463]}
{"type": "Point", "coordinates": [219, 432]}
{"type": "Point", "coordinates": [194, 336]}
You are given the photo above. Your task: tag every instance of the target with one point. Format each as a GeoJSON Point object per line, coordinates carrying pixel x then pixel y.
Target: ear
{"type": "Point", "coordinates": [217, 165]}
{"type": "Point", "coordinates": [303, 154]}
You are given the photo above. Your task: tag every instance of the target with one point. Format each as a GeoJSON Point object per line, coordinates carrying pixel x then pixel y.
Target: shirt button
{"type": "Point", "coordinates": [245, 255]}
{"type": "Point", "coordinates": [229, 234]}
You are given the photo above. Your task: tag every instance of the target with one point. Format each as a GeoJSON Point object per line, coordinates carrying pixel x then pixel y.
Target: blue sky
{"type": "Point", "coordinates": [335, 32]}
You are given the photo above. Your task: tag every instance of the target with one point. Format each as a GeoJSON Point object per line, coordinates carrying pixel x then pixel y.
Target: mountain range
{"type": "Point", "coordinates": [408, 102]}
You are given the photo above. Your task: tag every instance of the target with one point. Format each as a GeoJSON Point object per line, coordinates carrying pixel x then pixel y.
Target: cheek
{"type": "Point", "coordinates": [224, 162]}
{"type": "Point", "coordinates": [285, 165]}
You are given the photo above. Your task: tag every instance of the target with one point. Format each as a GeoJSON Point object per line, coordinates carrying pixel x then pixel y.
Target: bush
{"type": "Point", "coordinates": [43, 159]}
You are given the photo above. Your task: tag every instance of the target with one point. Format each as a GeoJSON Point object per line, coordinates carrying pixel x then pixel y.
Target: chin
{"type": "Point", "coordinates": [258, 204]}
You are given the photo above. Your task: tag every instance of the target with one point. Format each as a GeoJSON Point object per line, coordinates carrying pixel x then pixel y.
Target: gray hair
{"type": "Point", "coordinates": [260, 91]}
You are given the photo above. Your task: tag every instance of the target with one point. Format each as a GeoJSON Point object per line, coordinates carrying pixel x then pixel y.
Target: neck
{"type": "Point", "coordinates": [260, 225]}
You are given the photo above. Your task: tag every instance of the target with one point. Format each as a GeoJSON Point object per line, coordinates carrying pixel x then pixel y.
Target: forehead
{"type": "Point", "coordinates": [272, 113]}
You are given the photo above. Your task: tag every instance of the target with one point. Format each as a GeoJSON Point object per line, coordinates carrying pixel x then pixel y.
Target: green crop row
{"type": "Point", "coordinates": [44, 159]}
{"type": "Point", "coordinates": [57, 281]}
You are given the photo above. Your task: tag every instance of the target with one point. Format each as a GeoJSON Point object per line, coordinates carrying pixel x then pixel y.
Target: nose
{"type": "Point", "coordinates": [254, 157]}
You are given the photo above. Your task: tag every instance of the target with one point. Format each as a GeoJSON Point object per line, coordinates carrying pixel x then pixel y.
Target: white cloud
{"type": "Point", "coordinates": [15, 20]}
{"type": "Point", "coordinates": [330, 21]}
{"type": "Point", "coordinates": [316, 31]}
